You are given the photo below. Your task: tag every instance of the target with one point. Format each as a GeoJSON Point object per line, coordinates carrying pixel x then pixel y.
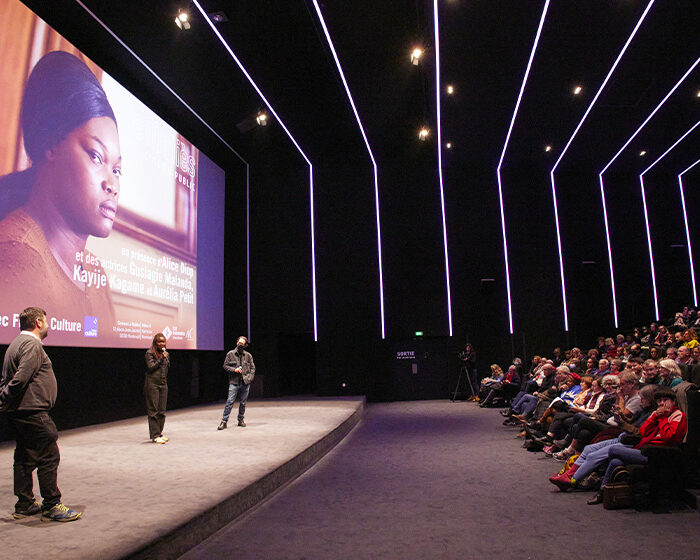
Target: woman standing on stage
{"type": "Point", "coordinates": [156, 387]}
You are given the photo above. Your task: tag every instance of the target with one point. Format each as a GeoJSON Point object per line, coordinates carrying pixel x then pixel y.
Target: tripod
{"type": "Point", "coordinates": [463, 371]}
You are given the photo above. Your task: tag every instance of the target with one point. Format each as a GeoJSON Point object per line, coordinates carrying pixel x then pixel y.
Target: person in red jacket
{"type": "Point", "coordinates": [667, 425]}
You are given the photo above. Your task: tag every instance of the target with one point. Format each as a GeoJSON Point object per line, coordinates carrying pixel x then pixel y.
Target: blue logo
{"type": "Point", "coordinates": [90, 326]}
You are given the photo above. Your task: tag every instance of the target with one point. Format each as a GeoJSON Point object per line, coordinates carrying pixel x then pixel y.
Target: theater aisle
{"type": "Point", "coordinates": [441, 480]}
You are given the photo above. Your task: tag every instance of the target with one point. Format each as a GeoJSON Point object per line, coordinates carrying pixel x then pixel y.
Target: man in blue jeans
{"type": "Point", "coordinates": [241, 369]}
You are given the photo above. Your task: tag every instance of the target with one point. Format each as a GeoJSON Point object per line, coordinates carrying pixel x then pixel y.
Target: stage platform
{"type": "Point", "coordinates": [144, 500]}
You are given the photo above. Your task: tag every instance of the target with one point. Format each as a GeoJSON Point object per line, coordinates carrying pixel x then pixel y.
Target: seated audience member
{"type": "Point", "coordinates": [683, 355]}
{"type": "Point", "coordinates": [650, 373]}
{"type": "Point", "coordinates": [678, 339]}
{"type": "Point", "coordinates": [679, 322]}
{"type": "Point", "coordinates": [667, 425]}
{"type": "Point", "coordinates": [695, 356]}
{"type": "Point", "coordinates": [591, 367]}
{"type": "Point", "coordinates": [626, 353]}
{"type": "Point", "coordinates": [557, 356]}
{"type": "Point", "coordinates": [603, 369]}
{"type": "Point", "coordinates": [585, 426]}
{"type": "Point", "coordinates": [655, 353]}
{"type": "Point", "coordinates": [543, 381]}
{"type": "Point", "coordinates": [616, 366]}
{"type": "Point", "coordinates": [571, 400]}
{"type": "Point", "coordinates": [670, 373]}
{"type": "Point", "coordinates": [690, 338]}
{"type": "Point", "coordinates": [635, 364]}
{"type": "Point", "coordinates": [646, 336]}
{"type": "Point", "coordinates": [663, 337]}
{"type": "Point", "coordinates": [524, 403]}
{"type": "Point", "coordinates": [672, 353]}
{"type": "Point", "coordinates": [610, 348]}
{"type": "Point", "coordinates": [595, 455]}
{"type": "Point", "coordinates": [505, 389]}
{"type": "Point", "coordinates": [488, 383]}
{"type": "Point", "coordinates": [565, 386]}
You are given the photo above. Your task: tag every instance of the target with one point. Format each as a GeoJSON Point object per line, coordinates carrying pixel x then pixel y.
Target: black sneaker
{"type": "Point", "coordinates": [27, 512]}
{"type": "Point", "coordinates": [241, 423]}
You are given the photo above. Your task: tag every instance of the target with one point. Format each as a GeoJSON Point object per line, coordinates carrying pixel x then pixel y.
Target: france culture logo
{"type": "Point", "coordinates": [90, 326]}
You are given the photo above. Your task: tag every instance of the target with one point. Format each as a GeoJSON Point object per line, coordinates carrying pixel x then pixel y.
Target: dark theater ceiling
{"type": "Point", "coordinates": [484, 50]}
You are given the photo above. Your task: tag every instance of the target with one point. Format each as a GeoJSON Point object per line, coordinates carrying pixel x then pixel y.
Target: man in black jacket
{"type": "Point", "coordinates": [28, 392]}
{"type": "Point", "coordinates": [241, 369]}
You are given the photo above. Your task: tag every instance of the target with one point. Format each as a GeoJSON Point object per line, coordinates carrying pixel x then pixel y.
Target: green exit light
{"type": "Point", "coordinates": [419, 333]}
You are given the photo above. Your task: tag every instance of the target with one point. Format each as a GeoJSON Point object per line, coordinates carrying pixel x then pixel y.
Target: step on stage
{"type": "Point", "coordinates": [145, 500]}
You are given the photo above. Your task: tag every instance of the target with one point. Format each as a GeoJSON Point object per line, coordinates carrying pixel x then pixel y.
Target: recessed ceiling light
{"type": "Point", "coordinates": [577, 90]}
{"type": "Point", "coordinates": [182, 19]}
{"type": "Point", "coordinates": [448, 145]}
{"type": "Point", "coordinates": [423, 133]}
{"type": "Point", "coordinates": [416, 54]}
{"type": "Point", "coordinates": [450, 89]}
{"type": "Point", "coordinates": [261, 118]}
{"type": "Point", "coordinates": [698, 93]}
{"type": "Point", "coordinates": [642, 153]}
{"type": "Point", "coordinates": [548, 148]}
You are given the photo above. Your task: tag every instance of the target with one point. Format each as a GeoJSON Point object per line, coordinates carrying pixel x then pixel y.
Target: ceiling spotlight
{"type": "Point", "coordinates": [448, 145]}
{"type": "Point", "coordinates": [642, 153]}
{"type": "Point", "coordinates": [182, 20]}
{"type": "Point", "coordinates": [416, 54]}
{"type": "Point", "coordinates": [218, 17]}
{"type": "Point", "coordinates": [261, 119]}
{"type": "Point", "coordinates": [577, 90]}
{"type": "Point", "coordinates": [450, 89]}
{"type": "Point", "coordinates": [423, 133]}
{"type": "Point", "coordinates": [698, 93]}
{"type": "Point", "coordinates": [548, 148]}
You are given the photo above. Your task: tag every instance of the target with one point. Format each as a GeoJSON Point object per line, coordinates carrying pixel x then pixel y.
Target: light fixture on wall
{"type": "Point", "coordinates": [450, 89]}
{"type": "Point", "coordinates": [577, 90]}
{"type": "Point", "coordinates": [182, 20]}
{"type": "Point", "coordinates": [261, 118]}
{"type": "Point", "coordinates": [423, 133]}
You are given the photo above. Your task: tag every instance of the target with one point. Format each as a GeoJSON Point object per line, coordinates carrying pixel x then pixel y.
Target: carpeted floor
{"type": "Point", "coordinates": [436, 479]}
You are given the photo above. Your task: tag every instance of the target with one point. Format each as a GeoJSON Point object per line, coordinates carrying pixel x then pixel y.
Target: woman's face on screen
{"type": "Point", "coordinates": [86, 168]}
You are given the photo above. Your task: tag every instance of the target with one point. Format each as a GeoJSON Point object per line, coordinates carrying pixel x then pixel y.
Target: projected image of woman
{"type": "Point", "coordinates": [70, 192]}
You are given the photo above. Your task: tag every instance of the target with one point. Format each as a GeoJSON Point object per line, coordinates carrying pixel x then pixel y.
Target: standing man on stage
{"type": "Point", "coordinates": [241, 370]}
{"type": "Point", "coordinates": [28, 392]}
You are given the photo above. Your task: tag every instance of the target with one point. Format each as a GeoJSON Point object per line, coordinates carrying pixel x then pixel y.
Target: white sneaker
{"type": "Point", "coordinates": [164, 438]}
{"type": "Point", "coordinates": [159, 439]}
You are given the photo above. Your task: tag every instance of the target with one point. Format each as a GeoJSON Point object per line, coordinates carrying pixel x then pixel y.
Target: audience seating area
{"type": "Point", "coordinates": [620, 420]}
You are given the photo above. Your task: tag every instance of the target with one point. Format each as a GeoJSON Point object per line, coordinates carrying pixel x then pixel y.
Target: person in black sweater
{"type": "Point", "coordinates": [28, 392]}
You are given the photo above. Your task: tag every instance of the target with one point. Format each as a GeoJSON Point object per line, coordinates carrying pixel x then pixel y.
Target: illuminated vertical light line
{"type": "Point", "coordinates": [439, 153]}
{"type": "Point", "coordinates": [687, 232]}
{"type": "Point", "coordinates": [503, 154]}
{"type": "Point", "coordinates": [296, 145]}
{"type": "Point", "coordinates": [371, 156]}
{"type": "Point", "coordinates": [602, 183]}
{"type": "Point", "coordinates": [580, 124]}
{"type": "Point", "coordinates": [247, 241]}
{"type": "Point", "coordinates": [646, 217]}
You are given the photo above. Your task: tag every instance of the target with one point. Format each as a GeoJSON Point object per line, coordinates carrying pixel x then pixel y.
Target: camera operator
{"type": "Point", "coordinates": [468, 360]}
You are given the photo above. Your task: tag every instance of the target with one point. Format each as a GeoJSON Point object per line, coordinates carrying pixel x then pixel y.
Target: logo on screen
{"type": "Point", "coordinates": [167, 333]}
{"type": "Point", "coordinates": [90, 326]}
